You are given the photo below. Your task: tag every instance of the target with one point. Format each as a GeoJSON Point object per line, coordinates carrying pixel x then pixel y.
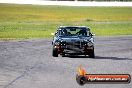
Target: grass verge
{"type": "Point", "coordinates": [34, 21]}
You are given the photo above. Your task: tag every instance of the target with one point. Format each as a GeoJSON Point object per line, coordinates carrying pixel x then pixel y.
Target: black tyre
{"type": "Point", "coordinates": [63, 55]}
{"type": "Point", "coordinates": [55, 52]}
{"type": "Point", "coordinates": [92, 55]}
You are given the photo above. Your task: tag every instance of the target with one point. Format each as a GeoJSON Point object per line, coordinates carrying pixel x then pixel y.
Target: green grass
{"type": "Point", "coordinates": [34, 21]}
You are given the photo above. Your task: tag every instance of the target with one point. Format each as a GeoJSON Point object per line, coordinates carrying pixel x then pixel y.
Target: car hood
{"type": "Point", "coordinates": [74, 38]}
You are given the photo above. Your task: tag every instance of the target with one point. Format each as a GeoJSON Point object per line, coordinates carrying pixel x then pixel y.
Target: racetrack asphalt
{"type": "Point", "coordinates": [29, 63]}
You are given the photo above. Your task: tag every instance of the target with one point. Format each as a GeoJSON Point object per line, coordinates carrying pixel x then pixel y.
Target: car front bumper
{"type": "Point", "coordinates": [75, 50]}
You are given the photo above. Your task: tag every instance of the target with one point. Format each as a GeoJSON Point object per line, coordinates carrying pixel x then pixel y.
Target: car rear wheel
{"type": "Point", "coordinates": [55, 52]}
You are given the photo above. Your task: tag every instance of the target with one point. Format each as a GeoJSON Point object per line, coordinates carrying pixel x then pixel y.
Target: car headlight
{"type": "Point", "coordinates": [57, 43]}
{"type": "Point", "coordinates": [85, 40]}
{"type": "Point", "coordinates": [92, 40]}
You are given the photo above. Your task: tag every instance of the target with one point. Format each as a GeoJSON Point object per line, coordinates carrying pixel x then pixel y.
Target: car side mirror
{"type": "Point", "coordinates": [52, 34]}
{"type": "Point", "coordinates": [93, 34]}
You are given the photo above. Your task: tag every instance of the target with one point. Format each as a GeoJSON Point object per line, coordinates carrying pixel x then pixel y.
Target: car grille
{"type": "Point", "coordinates": [72, 45]}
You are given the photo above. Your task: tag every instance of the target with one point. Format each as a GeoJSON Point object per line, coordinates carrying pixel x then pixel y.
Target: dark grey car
{"type": "Point", "coordinates": [75, 40]}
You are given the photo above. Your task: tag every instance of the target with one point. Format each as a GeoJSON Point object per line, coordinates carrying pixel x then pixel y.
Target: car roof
{"type": "Point", "coordinates": [73, 27]}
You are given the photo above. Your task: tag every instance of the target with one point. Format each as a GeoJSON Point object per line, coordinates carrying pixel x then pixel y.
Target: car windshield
{"type": "Point", "coordinates": [73, 31]}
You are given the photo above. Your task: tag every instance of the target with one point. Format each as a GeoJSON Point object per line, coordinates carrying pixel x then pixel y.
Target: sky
{"type": "Point", "coordinates": [67, 3]}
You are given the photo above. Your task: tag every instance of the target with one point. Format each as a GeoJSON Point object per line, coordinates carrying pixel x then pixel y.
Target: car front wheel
{"type": "Point", "coordinates": [92, 55]}
{"type": "Point", "coordinates": [55, 52]}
